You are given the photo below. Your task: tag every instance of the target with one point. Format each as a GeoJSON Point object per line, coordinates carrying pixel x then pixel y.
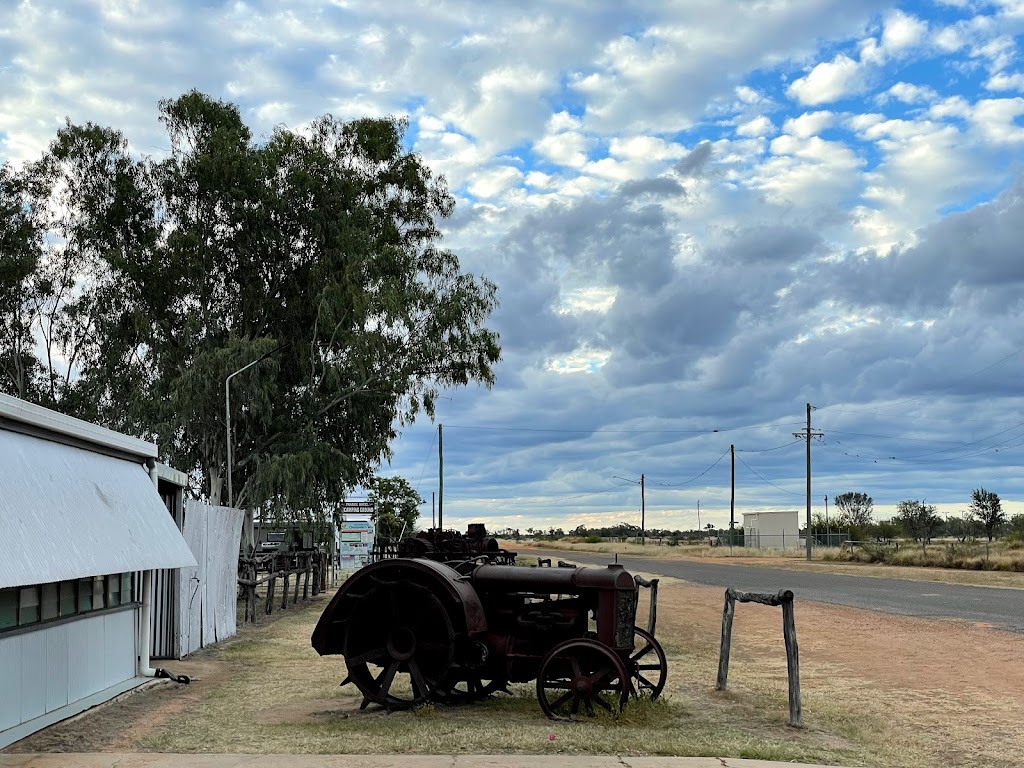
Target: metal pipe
{"type": "Point", "coordinates": [147, 597]}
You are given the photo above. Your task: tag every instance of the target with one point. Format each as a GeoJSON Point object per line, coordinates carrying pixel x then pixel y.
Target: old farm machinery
{"type": "Point", "coordinates": [416, 630]}
{"type": "Point", "coordinates": [446, 546]}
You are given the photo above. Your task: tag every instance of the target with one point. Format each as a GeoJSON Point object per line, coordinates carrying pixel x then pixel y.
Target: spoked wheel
{"type": "Point", "coordinates": [404, 632]}
{"type": "Point", "coordinates": [647, 665]}
{"type": "Point", "coordinates": [581, 677]}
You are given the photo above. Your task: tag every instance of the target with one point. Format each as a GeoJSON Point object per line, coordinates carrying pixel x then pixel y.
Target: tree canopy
{"type": "Point", "coordinates": [396, 505]}
{"type": "Point", "coordinates": [987, 509]}
{"type": "Point", "coordinates": [149, 281]}
{"type": "Point", "coordinates": [855, 509]}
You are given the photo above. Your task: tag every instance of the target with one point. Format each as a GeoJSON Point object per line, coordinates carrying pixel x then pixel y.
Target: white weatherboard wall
{"type": "Point", "coordinates": [51, 667]}
{"type": "Point", "coordinates": [207, 593]}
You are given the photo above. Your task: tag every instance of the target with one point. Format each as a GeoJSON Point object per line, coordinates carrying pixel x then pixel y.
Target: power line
{"type": "Point", "coordinates": [622, 431]}
{"type": "Point", "coordinates": [433, 437]}
{"type": "Point", "coordinates": [692, 479]}
{"type": "Point", "coordinates": [765, 450]}
{"type": "Point", "coordinates": [773, 485]}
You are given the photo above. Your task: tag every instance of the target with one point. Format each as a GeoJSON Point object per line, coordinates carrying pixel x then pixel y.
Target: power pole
{"type": "Point", "coordinates": [440, 476]}
{"type": "Point", "coordinates": [828, 528]}
{"type": "Point", "coordinates": [700, 535]}
{"type": "Point", "coordinates": [732, 497]}
{"type": "Point", "coordinates": [808, 433]}
{"type": "Point", "coordinates": [643, 511]}
{"type": "Point", "coordinates": [433, 511]}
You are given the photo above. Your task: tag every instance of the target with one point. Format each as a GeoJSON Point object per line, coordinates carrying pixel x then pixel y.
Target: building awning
{"type": "Point", "coordinates": [67, 512]}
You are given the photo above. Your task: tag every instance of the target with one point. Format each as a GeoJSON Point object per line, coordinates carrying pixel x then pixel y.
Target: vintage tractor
{"type": "Point", "coordinates": [415, 630]}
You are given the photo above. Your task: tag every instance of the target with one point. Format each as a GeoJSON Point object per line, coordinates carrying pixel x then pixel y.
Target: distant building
{"type": "Point", "coordinates": [771, 530]}
{"type": "Point", "coordinates": [82, 529]}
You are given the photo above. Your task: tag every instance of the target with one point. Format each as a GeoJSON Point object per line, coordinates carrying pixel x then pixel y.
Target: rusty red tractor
{"type": "Point", "coordinates": [415, 630]}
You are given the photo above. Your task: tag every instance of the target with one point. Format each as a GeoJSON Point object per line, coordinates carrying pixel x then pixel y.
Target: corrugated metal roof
{"type": "Point", "coordinates": [68, 513]}
{"type": "Point", "coordinates": [58, 425]}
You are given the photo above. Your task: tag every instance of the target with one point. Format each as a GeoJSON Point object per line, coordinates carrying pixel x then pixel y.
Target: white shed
{"type": "Point", "coordinates": [82, 528]}
{"type": "Point", "coordinates": [771, 530]}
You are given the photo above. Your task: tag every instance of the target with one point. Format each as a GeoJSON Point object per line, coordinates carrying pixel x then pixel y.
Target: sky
{"type": "Point", "coordinates": [700, 215]}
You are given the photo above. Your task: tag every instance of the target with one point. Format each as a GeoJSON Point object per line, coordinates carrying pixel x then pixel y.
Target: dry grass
{"type": "Point", "coordinates": [282, 685]}
{"type": "Point", "coordinates": [879, 690]}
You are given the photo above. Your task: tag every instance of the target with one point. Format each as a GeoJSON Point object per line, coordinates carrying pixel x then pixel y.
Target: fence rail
{"type": "Point", "coordinates": [309, 569]}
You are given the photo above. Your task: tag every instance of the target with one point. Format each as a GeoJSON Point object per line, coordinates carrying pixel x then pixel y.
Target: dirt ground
{"type": "Point", "coordinates": [878, 690]}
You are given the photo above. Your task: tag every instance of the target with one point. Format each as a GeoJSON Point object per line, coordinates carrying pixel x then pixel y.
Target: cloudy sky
{"type": "Point", "coordinates": [701, 215]}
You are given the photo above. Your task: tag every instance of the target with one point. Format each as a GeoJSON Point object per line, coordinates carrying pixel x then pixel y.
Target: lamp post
{"type": "Point", "coordinates": [227, 412]}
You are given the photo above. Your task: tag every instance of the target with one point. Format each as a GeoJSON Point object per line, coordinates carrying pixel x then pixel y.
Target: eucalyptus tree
{"type": "Point", "coordinates": [318, 252]}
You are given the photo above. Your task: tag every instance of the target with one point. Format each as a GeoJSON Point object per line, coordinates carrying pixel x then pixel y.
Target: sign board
{"type": "Point", "coordinates": [356, 543]}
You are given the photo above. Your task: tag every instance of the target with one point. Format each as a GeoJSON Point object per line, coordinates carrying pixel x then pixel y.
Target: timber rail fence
{"type": "Point", "coordinates": [783, 598]}
{"type": "Point", "coordinates": [312, 566]}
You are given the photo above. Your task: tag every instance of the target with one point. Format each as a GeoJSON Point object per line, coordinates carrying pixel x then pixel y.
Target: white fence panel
{"type": "Point", "coordinates": [207, 593]}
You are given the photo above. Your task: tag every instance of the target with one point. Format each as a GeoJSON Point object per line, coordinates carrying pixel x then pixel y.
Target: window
{"type": "Point", "coordinates": [20, 606]}
{"type": "Point", "coordinates": [28, 605]}
{"type": "Point", "coordinates": [113, 590]}
{"type": "Point", "coordinates": [84, 595]}
{"type": "Point", "coordinates": [49, 602]}
{"type": "Point", "coordinates": [67, 598]}
{"type": "Point", "coordinates": [8, 608]}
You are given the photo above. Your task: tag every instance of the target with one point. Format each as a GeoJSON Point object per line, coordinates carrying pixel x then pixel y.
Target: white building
{"type": "Point", "coordinates": [771, 530]}
{"type": "Point", "coordinates": [82, 528]}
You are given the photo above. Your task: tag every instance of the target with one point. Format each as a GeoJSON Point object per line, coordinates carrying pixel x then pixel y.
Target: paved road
{"type": "Point", "coordinates": [1003, 608]}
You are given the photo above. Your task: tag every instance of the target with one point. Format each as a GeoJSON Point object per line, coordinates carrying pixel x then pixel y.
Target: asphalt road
{"type": "Point", "coordinates": [1002, 608]}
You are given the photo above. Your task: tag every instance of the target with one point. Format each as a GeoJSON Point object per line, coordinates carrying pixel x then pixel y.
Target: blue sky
{"type": "Point", "coordinates": [697, 219]}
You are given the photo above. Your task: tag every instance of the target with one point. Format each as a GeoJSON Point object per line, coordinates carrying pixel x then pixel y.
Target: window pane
{"type": "Point", "coordinates": [8, 608]}
{"type": "Point", "coordinates": [85, 594]}
{"type": "Point", "coordinates": [126, 588]}
{"type": "Point", "coordinates": [29, 599]}
{"type": "Point", "coordinates": [49, 607]}
{"type": "Point", "coordinates": [67, 598]}
{"type": "Point", "coordinates": [113, 590]}
{"type": "Point", "coordinates": [97, 593]}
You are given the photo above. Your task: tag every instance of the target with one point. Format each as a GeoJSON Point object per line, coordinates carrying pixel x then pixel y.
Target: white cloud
{"type": "Point", "coordinates": [909, 93]}
{"type": "Point", "coordinates": [809, 124]}
{"type": "Point", "coordinates": [759, 126]}
{"type": "Point", "coordinates": [1002, 81]}
{"type": "Point", "coordinates": [902, 32]}
{"type": "Point", "coordinates": [829, 81]}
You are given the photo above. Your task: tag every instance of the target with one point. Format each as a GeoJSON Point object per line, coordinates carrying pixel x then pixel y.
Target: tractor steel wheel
{"type": "Point", "coordinates": [581, 677]}
{"type": "Point", "coordinates": [647, 666]}
{"type": "Point", "coordinates": [404, 631]}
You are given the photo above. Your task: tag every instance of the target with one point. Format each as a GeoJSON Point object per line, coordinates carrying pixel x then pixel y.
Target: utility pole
{"type": "Point", "coordinates": [433, 511]}
{"type": "Point", "coordinates": [440, 476]}
{"type": "Point", "coordinates": [643, 511]}
{"type": "Point", "coordinates": [828, 529]}
{"type": "Point", "coordinates": [700, 535]}
{"type": "Point", "coordinates": [808, 433]}
{"type": "Point", "coordinates": [732, 497]}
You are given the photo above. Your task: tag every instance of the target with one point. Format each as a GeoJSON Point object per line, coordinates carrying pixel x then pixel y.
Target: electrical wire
{"type": "Point", "coordinates": [425, 460]}
{"type": "Point", "coordinates": [623, 431]}
{"type": "Point", "coordinates": [692, 479]}
{"type": "Point", "coordinates": [773, 485]}
{"type": "Point", "coordinates": [765, 450]}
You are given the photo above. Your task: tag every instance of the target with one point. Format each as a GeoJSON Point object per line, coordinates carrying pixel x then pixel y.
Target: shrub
{"type": "Point", "coordinates": [592, 540]}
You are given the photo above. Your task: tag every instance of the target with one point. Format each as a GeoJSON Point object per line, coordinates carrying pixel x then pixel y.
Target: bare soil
{"type": "Point", "coordinates": [878, 690]}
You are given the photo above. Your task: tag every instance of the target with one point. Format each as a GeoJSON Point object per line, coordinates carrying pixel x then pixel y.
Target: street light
{"type": "Point", "coordinates": [227, 411]}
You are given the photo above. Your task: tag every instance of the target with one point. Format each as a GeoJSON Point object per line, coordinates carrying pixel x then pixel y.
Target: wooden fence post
{"type": "Point", "coordinates": [792, 661]}
{"type": "Point", "coordinates": [284, 592]}
{"type": "Point", "coordinates": [269, 607]}
{"type": "Point", "coordinates": [723, 656]}
{"type": "Point", "coordinates": [784, 598]}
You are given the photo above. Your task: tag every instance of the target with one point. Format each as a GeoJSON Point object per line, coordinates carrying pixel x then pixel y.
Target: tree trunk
{"type": "Point", "coordinates": [216, 483]}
